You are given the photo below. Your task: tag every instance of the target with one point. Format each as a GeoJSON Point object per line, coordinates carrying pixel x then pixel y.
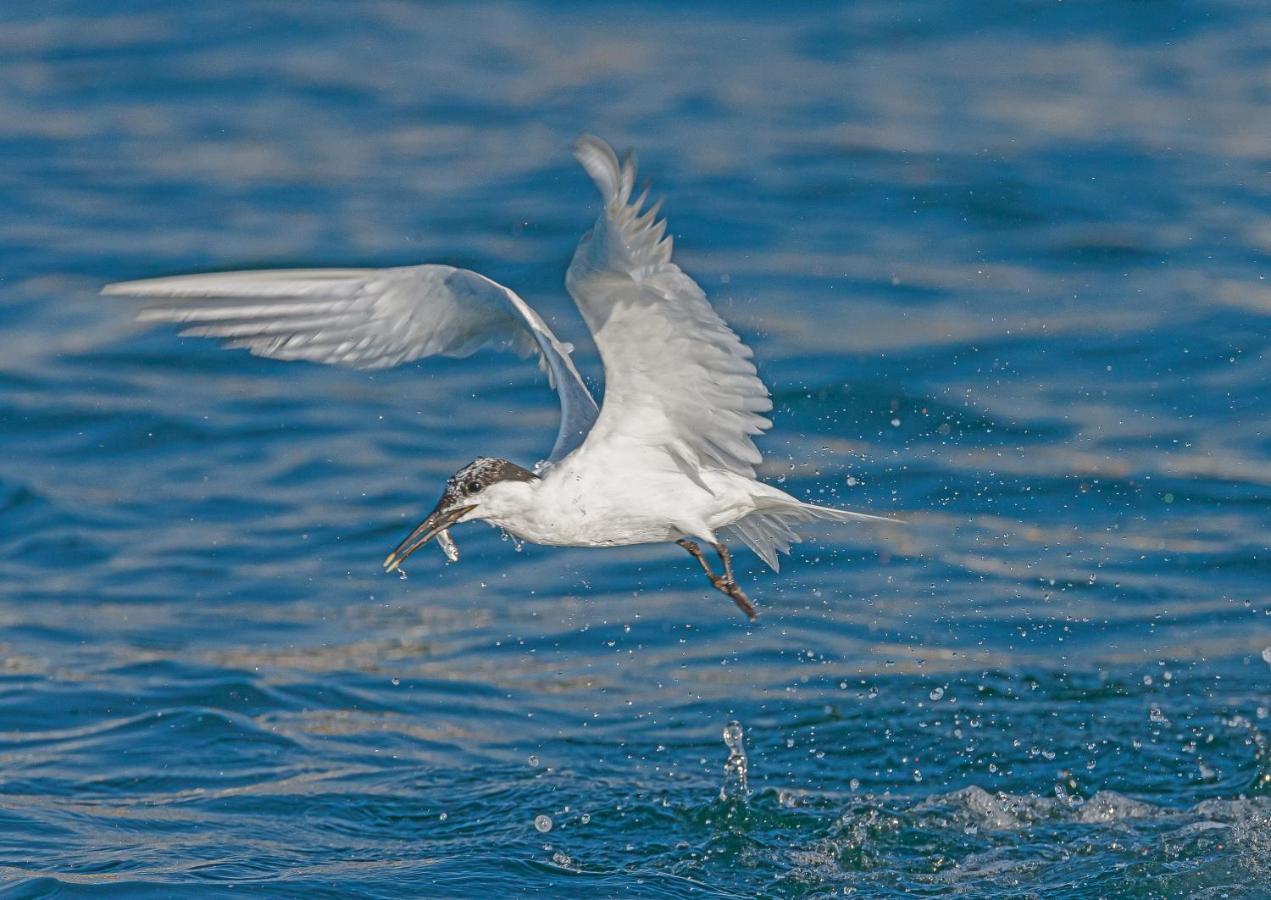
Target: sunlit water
{"type": "Point", "coordinates": [1003, 265]}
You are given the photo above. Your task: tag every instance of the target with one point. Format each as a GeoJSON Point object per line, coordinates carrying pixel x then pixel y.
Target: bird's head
{"type": "Point", "coordinates": [483, 489]}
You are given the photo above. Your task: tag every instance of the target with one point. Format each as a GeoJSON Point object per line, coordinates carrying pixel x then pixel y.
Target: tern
{"type": "Point", "coordinates": [670, 456]}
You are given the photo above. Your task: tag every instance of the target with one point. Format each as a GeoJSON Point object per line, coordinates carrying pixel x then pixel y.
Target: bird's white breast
{"type": "Point", "coordinates": [619, 497]}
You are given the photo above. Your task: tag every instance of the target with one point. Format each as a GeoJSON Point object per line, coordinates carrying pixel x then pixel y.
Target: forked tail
{"type": "Point", "coordinates": [770, 529]}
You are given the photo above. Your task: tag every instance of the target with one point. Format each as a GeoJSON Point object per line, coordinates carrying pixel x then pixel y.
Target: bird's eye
{"type": "Point", "coordinates": [473, 487]}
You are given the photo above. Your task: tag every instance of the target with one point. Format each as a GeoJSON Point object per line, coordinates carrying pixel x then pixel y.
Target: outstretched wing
{"type": "Point", "coordinates": [368, 319]}
{"type": "Point", "coordinates": [676, 376]}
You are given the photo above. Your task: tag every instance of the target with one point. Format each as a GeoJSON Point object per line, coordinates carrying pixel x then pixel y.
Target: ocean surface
{"type": "Point", "coordinates": [1004, 266]}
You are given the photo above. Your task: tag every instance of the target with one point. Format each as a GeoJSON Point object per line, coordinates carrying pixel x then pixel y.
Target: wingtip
{"type": "Point", "coordinates": [143, 288]}
{"type": "Point", "coordinates": [612, 177]}
{"type": "Point", "coordinates": [140, 288]}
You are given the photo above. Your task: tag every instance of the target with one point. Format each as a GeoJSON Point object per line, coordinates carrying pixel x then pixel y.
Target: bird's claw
{"type": "Point", "coordinates": [739, 597]}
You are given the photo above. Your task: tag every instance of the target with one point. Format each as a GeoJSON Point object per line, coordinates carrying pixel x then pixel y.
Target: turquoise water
{"type": "Point", "coordinates": [1004, 267]}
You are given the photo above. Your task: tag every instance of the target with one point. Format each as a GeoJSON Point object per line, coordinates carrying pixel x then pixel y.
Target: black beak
{"type": "Point", "coordinates": [438, 520]}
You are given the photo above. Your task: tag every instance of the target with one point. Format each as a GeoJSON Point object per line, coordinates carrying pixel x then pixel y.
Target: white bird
{"type": "Point", "coordinates": [669, 457]}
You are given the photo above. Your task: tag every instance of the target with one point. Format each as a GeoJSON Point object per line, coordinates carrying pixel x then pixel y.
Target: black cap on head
{"type": "Point", "coordinates": [479, 474]}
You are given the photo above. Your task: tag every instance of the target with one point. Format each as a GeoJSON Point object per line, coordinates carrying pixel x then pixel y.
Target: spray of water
{"type": "Point", "coordinates": [735, 785]}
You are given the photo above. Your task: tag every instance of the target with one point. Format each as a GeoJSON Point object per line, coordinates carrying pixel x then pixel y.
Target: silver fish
{"type": "Point", "coordinates": [448, 545]}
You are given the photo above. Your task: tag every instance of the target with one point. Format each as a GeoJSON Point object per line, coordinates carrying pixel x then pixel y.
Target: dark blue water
{"type": "Point", "coordinates": [1004, 266]}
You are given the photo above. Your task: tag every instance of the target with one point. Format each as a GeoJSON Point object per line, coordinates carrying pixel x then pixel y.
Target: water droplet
{"type": "Point", "coordinates": [542, 824]}
{"type": "Point", "coordinates": [735, 786]}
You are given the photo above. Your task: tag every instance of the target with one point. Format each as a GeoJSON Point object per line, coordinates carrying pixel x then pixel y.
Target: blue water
{"type": "Point", "coordinates": [1004, 266]}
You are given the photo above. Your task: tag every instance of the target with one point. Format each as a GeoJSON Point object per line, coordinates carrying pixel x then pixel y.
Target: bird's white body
{"type": "Point", "coordinates": [669, 456]}
{"type": "Point", "coordinates": [592, 500]}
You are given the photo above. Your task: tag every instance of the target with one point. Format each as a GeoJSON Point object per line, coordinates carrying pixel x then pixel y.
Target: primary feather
{"type": "Point", "coordinates": [368, 319]}
{"type": "Point", "coordinates": [676, 376]}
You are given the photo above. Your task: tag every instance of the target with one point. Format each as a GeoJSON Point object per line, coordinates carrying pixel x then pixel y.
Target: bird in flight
{"type": "Point", "coordinates": [669, 456]}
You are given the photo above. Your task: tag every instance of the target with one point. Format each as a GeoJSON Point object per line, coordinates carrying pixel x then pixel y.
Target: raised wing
{"type": "Point", "coordinates": [676, 376]}
{"type": "Point", "coordinates": [368, 319]}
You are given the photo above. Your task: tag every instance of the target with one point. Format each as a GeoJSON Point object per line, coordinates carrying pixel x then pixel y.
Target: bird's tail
{"type": "Point", "coordinates": [770, 528]}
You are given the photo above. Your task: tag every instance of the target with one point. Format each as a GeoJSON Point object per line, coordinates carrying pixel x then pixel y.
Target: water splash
{"type": "Point", "coordinates": [735, 786]}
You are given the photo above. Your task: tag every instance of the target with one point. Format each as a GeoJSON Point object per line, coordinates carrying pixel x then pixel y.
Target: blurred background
{"type": "Point", "coordinates": [1003, 265]}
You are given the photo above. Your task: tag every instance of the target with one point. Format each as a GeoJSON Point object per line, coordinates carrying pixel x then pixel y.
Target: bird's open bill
{"type": "Point", "coordinates": [438, 521]}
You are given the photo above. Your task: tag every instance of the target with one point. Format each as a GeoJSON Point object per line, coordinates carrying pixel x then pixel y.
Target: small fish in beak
{"type": "Point", "coordinates": [434, 526]}
{"type": "Point", "coordinates": [448, 545]}
{"type": "Point", "coordinates": [462, 495]}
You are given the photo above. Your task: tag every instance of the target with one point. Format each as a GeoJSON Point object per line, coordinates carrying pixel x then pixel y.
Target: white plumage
{"type": "Point", "coordinates": [669, 456]}
{"type": "Point", "coordinates": [368, 319]}
{"type": "Point", "coordinates": [676, 377]}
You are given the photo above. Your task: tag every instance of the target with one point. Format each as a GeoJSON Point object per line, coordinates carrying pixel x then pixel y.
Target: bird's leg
{"type": "Point", "coordinates": [727, 559]}
{"type": "Point", "coordinates": [730, 584]}
{"type": "Point", "coordinates": [722, 583]}
{"type": "Point", "coordinates": [692, 548]}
